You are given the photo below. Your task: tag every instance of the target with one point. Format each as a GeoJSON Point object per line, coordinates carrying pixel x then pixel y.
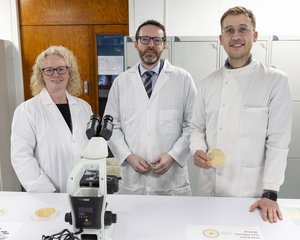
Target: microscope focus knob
{"type": "Point", "coordinates": [68, 218]}
{"type": "Point", "coordinates": [109, 218]}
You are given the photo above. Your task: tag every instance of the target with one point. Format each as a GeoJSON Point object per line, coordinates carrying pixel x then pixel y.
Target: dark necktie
{"type": "Point", "coordinates": [148, 83]}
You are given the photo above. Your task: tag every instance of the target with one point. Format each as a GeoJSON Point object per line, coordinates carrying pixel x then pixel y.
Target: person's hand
{"type": "Point", "coordinates": [138, 164]}
{"type": "Point", "coordinates": [269, 210]}
{"type": "Point", "coordinates": [162, 163]}
{"type": "Point", "coordinates": [201, 159]}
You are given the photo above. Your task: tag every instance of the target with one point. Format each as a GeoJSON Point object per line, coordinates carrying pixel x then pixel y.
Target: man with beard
{"type": "Point", "coordinates": [245, 110]}
{"type": "Point", "coordinates": [151, 104]}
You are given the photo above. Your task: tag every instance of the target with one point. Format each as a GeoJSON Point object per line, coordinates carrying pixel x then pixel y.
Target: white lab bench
{"type": "Point", "coordinates": [144, 217]}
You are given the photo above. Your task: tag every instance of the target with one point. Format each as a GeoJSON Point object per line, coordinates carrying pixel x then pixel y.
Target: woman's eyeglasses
{"type": "Point", "coordinates": [49, 71]}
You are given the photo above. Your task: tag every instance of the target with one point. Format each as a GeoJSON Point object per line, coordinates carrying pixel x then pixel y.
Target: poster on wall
{"type": "Point", "coordinates": [110, 65]}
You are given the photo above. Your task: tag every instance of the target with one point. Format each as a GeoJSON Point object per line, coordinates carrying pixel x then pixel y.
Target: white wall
{"type": "Point", "coordinates": [201, 17]}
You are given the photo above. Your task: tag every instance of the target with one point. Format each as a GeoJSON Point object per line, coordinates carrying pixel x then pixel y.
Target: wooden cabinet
{"type": "Point", "coordinates": [73, 24]}
{"type": "Point", "coordinates": [38, 38]}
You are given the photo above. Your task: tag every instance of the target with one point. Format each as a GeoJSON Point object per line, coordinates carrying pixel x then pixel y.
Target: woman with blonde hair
{"type": "Point", "coordinates": [48, 130]}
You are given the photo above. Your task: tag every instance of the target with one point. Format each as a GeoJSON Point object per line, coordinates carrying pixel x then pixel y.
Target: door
{"type": "Point", "coordinates": [73, 24]}
{"type": "Point", "coordinates": [76, 38]}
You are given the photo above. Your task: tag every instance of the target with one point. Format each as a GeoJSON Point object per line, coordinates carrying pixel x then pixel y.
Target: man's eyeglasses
{"type": "Point", "coordinates": [145, 40]}
{"type": "Point", "coordinates": [243, 30]}
{"type": "Point", "coordinates": [49, 71]}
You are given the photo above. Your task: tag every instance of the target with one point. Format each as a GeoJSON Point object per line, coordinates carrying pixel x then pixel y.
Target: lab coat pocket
{"type": "Point", "coordinates": [178, 178]}
{"type": "Point", "coordinates": [251, 181]}
{"type": "Point", "coordinates": [254, 121]}
{"type": "Point", "coordinates": [168, 122]}
{"type": "Point", "coordinates": [132, 182]}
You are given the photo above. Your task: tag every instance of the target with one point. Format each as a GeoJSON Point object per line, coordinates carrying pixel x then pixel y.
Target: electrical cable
{"type": "Point", "coordinates": [63, 235]}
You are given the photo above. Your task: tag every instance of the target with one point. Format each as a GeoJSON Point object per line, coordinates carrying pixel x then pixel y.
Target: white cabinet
{"type": "Point", "coordinates": [294, 152]}
{"type": "Point", "coordinates": [261, 50]}
{"type": "Point", "coordinates": [290, 187]}
{"type": "Point", "coordinates": [8, 179]}
{"type": "Point", "coordinates": [198, 55]}
{"type": "Point", "coordinates": [285, 55]}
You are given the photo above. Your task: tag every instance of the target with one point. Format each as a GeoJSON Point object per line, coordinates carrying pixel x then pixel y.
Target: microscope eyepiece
{"type": "Point", "coordinates": [93, 126]}
{"type": "Point", "coordinates": [96, 128]}
{"type": "Point", "coordinates": [107, 127]}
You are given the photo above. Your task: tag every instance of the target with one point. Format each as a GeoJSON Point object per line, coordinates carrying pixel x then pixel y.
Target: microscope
{"type": "Point", "coordinates": [88, 185]}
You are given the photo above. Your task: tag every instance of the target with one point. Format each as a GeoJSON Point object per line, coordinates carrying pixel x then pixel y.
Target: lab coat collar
{"type": "Point", "coordinates": [242, 69]}
{"type": "Point", "coordinates": [163, 77]}
{"type": "Point", "coordinates": [51, 107]}
{"type": "Point", "coordinates": [167, 67]}
{"type": "Point", "coordinates": [47, 100]}
{"type": "Point", "coordinates": [156, 69]}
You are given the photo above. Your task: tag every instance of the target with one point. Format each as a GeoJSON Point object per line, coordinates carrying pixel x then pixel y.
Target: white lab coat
{"type": "Point", "coordinates": [247, 113]}
{"type": "Point", "coordinates": [43, 149]}
{"type": "Point", "coordinates": [150, 127]}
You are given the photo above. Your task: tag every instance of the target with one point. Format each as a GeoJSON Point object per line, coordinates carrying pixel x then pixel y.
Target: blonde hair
{"type": "Point", "coordinates": [237, 11]}
{"type": "Point", "coordinates": [74, 86]}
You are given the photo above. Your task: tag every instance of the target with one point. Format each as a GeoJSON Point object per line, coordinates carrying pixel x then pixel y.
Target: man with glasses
{"type": "Point", "coordinates": [244, 110]}
{"type": "Point", "coordinates": [48, 130]}
{"type": "Point", "coordinates": [151, 104]}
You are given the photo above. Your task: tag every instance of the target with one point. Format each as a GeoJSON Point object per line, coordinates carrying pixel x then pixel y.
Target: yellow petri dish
{"type": "Point", "coordinates": [217, 157]}
{"type": "Point", "coordinates": [211, 233]}
{"type": "Point", "coordinates": [45, 213]}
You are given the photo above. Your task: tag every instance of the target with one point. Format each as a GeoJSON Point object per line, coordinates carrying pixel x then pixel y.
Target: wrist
{"type": "Point", "coordinates": [270, 195]}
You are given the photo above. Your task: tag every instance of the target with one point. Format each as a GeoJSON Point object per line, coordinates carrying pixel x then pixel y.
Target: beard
{"type": "Point", "coordinates": [149, 56]}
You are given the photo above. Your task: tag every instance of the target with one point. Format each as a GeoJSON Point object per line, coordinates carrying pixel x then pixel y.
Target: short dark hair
{"type": "Point", "coordinates": [237, 11]}
{"type": "Point", "coordinates": [150, 22]}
